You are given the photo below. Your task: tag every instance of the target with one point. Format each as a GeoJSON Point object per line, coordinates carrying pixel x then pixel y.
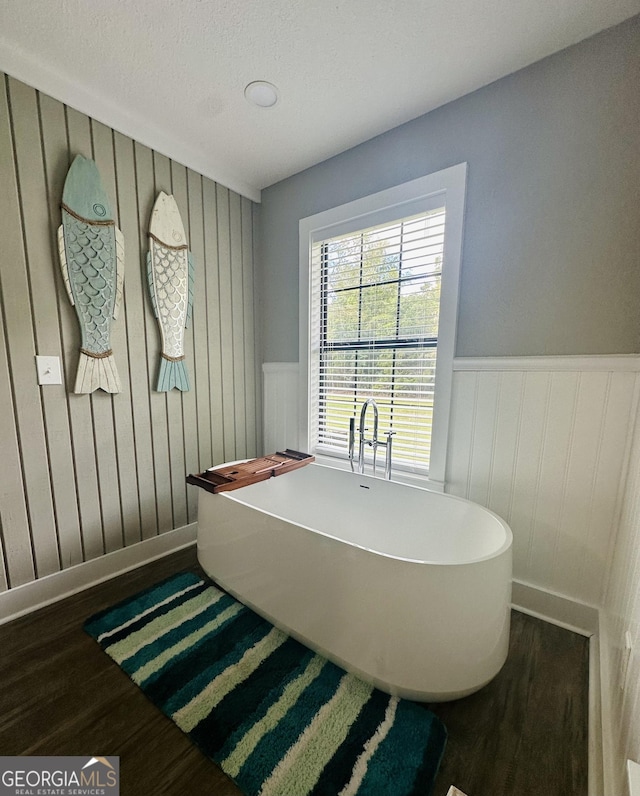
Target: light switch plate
{"type": "Point", "coordinates": [48, 370]}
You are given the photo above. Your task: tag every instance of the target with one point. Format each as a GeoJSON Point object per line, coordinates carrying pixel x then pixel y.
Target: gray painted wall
{"type": "Point", "coordinates": [83, 475]}
{"type": "Point", "coordinates": [551, 260]}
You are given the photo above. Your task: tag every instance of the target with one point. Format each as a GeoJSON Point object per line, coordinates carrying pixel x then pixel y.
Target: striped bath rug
{"type": "Point", "coordinates": [276, 717]}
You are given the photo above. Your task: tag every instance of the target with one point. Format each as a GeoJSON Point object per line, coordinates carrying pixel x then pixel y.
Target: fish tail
{"type": "Point", "coordinates": [173, 373]}
{"type": "Point", "coordinates": [97, 373]}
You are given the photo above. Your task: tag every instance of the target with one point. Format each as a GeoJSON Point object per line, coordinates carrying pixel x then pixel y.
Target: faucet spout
{"type": "Point", "coordinates": [373, 442]}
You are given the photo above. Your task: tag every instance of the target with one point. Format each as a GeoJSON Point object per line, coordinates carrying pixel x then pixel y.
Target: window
{"type": "Point", "coordinates": [379, 283]}
{"type": "Point", "coordinates": [379, 294]}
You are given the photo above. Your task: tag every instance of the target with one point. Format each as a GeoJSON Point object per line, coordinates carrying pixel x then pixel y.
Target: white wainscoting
{"type": "Point", "coordinates": [620, 638]}
{"type": "Point", "coordinates": [542, 441]}
{"type": "Point", "coordinates": [280, 405]}
{"type": "Point", "coordinates": [49, 589]}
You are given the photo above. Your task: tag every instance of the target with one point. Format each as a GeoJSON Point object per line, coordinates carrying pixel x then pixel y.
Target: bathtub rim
{"type": "Point", "coordinates": [506, 545]}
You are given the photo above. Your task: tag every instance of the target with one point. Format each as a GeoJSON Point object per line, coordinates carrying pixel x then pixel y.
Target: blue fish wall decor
{"type": "Point", "coordinates": [170, 272]}
{"type": "Point", "coordinates": [91, 250]}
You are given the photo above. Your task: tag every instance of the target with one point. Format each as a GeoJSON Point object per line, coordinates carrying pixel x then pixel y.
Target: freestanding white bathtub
{"type": "Point", "coordinates": [407, 588]}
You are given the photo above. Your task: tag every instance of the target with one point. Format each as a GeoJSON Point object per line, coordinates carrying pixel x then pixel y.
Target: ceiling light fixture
{"type": "Point", "coordinates": [261, 93]}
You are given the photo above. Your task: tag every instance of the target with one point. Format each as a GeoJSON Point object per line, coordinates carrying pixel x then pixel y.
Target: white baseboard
{"type": "Point", "coordinates": [596, 750]}
{"type": "Point", "coordinates": [633, 773]}
{"type": "Point", "coordinates": [31, 596]}
{"type": "Point", "coordinates": [555, 608]}
{"type": "Point", "coordinates": [611, 783]}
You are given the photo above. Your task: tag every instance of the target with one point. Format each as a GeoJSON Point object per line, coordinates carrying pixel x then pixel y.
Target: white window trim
{"type": "Point", "coordinates": [450, 183]}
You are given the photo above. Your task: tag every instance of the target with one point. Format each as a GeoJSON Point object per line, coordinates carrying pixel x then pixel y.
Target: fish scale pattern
{"type": "Point", "coordinates": [170, 276]}
{"type": "Point", "coordinates": [91, 258]}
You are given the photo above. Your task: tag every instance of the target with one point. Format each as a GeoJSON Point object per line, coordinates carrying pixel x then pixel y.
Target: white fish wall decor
{"type": "Point", "coordinates": [91, 250]}
{"type": "Point", "coordinates": [170, 272]}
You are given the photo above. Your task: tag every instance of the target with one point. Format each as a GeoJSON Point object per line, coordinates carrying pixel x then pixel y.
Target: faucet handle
{"type": "Point", "coordinates": [352, 441]}
{"type": "Point", "coordinates": [387, 458]}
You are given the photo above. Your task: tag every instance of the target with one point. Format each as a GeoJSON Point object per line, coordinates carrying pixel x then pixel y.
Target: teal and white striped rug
{"type": "Point", "coordinates": [276, 717]}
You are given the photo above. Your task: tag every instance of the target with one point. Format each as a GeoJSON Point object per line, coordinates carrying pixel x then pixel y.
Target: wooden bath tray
{"type": "Point", "coordinates": [234, 476]}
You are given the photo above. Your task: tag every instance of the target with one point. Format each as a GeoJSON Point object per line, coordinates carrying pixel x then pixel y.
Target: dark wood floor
{"type": "Point", "coordinates": [524, 734]}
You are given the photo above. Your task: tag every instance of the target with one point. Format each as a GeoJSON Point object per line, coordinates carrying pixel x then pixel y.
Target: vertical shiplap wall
{"type": "Point", "coordinates": [621, 613]}
{"type": "Point", "coordinates": [281, 382]}
{"type": "Point", "coordinates": [84, 475]}
{"type": "Point", "coordinates": [543, 442]}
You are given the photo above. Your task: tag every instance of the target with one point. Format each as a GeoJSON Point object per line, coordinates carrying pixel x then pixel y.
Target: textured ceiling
{"type": "Point", "coordinates": [171, 73]}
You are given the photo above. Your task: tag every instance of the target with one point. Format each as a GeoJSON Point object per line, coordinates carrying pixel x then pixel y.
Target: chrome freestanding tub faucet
{"type": "Point", "coordinates": [373, 443]}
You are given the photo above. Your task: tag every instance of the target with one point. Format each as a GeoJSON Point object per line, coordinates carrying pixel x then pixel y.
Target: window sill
{"type": "Point", "coordinates": [411, 479]}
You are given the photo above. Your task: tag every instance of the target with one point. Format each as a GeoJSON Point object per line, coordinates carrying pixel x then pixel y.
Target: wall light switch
{"type": "Point", "coordinates": [49, 370]}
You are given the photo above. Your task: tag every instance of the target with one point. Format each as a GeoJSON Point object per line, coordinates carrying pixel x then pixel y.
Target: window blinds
{"type": "Point", "coordinates": [374, 328]}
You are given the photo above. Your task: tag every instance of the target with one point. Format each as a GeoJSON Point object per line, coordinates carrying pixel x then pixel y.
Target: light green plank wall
{"type": "Point", "coordinates": [83, 475]}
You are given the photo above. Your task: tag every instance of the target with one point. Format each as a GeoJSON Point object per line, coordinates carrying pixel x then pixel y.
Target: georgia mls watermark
{"type": "Point", "coordinates": [59, 776]}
